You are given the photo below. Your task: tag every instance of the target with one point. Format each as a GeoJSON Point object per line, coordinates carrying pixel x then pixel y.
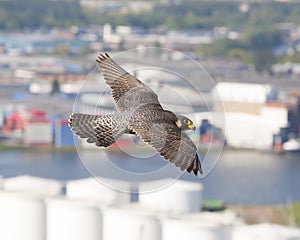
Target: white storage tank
{"type": "Point", "coordinates": [208, 226]}
{"type": "Point", "coordinates": [131, 222]}
{"type": "Point", "coordinates": [265, 231]}
{"type": "Point", "coordinates": [99, 189]}
{"type": "Point", "coordinates": [22, 216]}
{"type": "Point", "coordinates": [175, 198]}
{"type": "Point", "coordinates": [73, 219]}
{"type": "Point", "coordinates": [1, 182]}
{"type": "Point", "coordinates": [27, 183]}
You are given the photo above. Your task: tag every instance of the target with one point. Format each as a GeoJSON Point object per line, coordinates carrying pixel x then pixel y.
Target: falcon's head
{"type": "Point", "coordinates": [184, 123]}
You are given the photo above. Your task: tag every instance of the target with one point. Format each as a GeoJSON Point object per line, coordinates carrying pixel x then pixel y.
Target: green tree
{"type": "Point", "coordinates": [32, 14]}
{"type": "Point", "coordinates": [262, 59]}
{"type": "Point", "coordinates": [262, 39]}
{"type": "Point", "coordinates": [261, 44]}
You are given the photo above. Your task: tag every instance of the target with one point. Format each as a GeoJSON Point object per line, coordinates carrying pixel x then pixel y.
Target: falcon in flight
{"type": "Point", "coordinates": [138, 112]}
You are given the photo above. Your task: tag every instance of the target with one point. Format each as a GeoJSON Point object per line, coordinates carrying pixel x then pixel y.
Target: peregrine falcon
{"type": "Point", "coordinates": [139, 112]}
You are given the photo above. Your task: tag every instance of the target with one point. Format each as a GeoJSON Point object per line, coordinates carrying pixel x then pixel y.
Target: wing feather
{"type": "Point", "coordinates": [116, 77]}
{"type": "Point", "coordinates": [101, 130]}
{"type": "Point", "coordinates": [163, 134]}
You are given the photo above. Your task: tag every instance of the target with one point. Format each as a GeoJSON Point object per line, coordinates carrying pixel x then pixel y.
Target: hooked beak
{"type": "Point", "coordinates": [192, 127]}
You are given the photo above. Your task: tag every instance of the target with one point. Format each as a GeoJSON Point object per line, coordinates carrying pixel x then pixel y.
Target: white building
{"type": "Point", "coordinates": [252, 115]}
{"type": "Point", "coordinates": [242, 97]}
{"type": "Point", "coordinates": [37, 132]}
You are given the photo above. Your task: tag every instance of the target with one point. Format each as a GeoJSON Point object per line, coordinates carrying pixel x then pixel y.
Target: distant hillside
{"type": "Point", "coordinates": [173, 14]}
{"type": "Point", "coordinates": [22, 14]}
{"type": "Point", "coordinates": [208, 13]}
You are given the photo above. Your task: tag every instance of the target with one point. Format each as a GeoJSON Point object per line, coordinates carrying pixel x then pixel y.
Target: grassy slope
{"type": "Point", "coordinates": [278, 214]}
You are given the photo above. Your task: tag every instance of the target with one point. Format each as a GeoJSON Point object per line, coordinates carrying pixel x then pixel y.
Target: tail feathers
{"type": "Point", "coordinates": [101, 130]}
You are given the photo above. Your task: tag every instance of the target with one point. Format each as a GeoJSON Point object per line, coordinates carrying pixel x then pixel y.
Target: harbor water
{"type": "Point", "coordinates": [239, 177]}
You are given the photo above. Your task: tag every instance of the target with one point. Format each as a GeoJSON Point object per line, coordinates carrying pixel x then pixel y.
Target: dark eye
{"type": "Point", "coordinates": [186, 121]}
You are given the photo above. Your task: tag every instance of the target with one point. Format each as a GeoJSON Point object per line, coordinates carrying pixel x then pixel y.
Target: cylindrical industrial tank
{"type": "Point", "coordinates": [73, 219]}
{"type": "Point", "coordinates": [265, 231]}
{"type": "Point", "coordinates": [132, 223]}
{"type": "Point", "coordinates": [1, 182]}
{"type": "Point", "coordinates": [198, 226]}
{"type": "Point", "coordinates": [22, 216]}
{"type": "Point", "coordinates": [99, 190]}
{"type": "Point", "coordinates": [225, 218]}
{"type": "Point", "coordinates": [26, 183]}
{"type": "Point", "coordinates": [176, 198]}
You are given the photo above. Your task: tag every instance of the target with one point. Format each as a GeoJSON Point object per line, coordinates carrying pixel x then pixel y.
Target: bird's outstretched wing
{"type": "Point", "coordinates": [128, 92]}
{"type": "Point", "coordinates": [101, 130]}
{"type": "Point", "coordinates": [154, 128]}
{"type": "Point", "coordinates": [119, 80]}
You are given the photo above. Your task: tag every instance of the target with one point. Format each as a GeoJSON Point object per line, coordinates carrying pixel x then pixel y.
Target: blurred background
{"type": "Point", "coordinates": [55, 186]}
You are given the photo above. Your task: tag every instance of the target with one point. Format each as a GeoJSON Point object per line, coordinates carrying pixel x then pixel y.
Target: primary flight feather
{"type": "Point", "coordinates": [138, 112]}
